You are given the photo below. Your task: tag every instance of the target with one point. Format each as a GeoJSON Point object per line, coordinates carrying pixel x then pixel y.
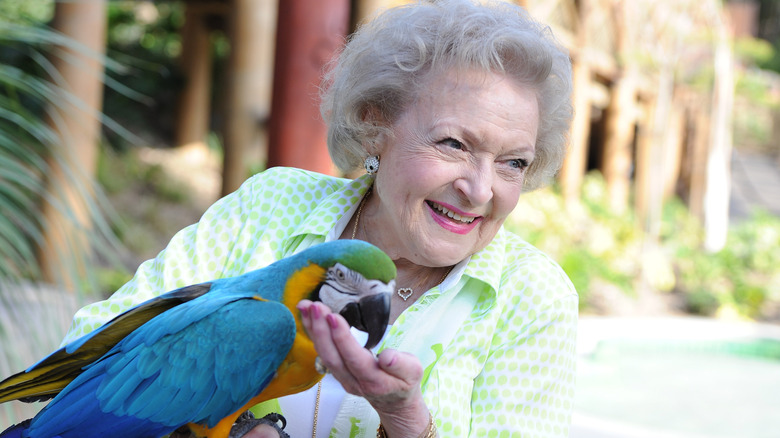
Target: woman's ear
{"type": "Point", "coordinates": [375, 132]}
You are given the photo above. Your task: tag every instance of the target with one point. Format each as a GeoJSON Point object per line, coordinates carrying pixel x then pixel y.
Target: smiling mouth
{"type": "Point", "coordinates": [450, 214]}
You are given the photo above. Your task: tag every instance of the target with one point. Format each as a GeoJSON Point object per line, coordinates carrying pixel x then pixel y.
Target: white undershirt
{"type": "Point", "coordinates": [298, 409]}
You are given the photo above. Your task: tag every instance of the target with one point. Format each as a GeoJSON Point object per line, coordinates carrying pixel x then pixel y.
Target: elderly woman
{"type": "Point", "coordinates": [454, 109]}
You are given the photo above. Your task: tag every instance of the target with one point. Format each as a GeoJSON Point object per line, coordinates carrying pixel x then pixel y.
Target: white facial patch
{"type": "Point", "coordinates": [343, 286]}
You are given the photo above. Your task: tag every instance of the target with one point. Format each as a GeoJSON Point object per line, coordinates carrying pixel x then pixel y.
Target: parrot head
{"type": "Point", "coordinates": [357, 283]}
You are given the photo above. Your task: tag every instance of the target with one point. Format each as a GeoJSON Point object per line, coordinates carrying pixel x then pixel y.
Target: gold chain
{"type": "Point", "coordinates": [360, 210]}
{"type": "Point", "coordinates": [316, 410]}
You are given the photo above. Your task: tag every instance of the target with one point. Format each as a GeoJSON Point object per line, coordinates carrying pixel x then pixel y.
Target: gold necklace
{"type": "Point", "coordinates": [316, 410]}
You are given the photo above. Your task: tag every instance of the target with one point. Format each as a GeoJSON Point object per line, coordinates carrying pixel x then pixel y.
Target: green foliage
{"type": "Point", "coordinates": [144, 38]}
{"type": "Point", "coordinates": [756, 106]}
{"type": "Point", "coordinates": [30, 103]}
{"type": "Point", "coordinates": [118, 171]}
{"type": "Point", "coordinates": [597, 247]}
{"type": "Point", "coordinates": [754, 51]}
{"type": "Point", "coordinates": [26, 11]}
{"type": "Point", "coordinates": [742, 278]}
{"type": "Point", "coordinates": [589, 241]}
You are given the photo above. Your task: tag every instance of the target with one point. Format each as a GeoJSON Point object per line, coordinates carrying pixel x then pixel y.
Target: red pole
{"type": "Point", "coordinates": [308, 33]}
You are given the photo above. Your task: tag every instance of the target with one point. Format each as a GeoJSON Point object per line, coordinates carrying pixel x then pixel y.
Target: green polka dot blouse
{"type": "Point", "coordinates": [497, 338]}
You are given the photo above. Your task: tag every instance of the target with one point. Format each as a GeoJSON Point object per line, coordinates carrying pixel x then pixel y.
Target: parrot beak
{"type": "Point", "coordinates": [371, 315]}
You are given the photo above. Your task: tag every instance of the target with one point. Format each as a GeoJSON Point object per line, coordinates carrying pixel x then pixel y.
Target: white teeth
{"type": "Point", "coordinates": [452, 214]}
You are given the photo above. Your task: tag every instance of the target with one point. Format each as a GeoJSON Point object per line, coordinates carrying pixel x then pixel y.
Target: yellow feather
{"type": "Point", "coordinates": [301, 284]}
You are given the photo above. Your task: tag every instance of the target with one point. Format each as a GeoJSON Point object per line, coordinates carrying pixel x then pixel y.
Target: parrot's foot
{"type": "Point", "coordinates": [247, 422]}
{"type": "Point", "coordinates": [182, 432]}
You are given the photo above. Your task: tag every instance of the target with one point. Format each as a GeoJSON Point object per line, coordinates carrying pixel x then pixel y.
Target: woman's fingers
{"type": "Point", "coordinates": [314, 317]}
{"type": "Point", "coordinates": [389, 378]}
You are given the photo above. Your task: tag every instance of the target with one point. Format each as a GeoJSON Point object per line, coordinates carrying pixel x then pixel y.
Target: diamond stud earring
{"type": "Point", "coordinates": [372, 164]}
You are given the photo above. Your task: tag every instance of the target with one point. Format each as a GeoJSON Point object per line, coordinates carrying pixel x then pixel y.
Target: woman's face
{"type": "Point", "coordinates": [454, 167]}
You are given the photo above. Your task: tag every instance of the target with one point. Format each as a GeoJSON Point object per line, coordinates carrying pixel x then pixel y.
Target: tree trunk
{"type": "Point", "coordinates": [718, 188]}
{"type": "Point", "coordinates": [673, 148]}
{"type": "Point", "coordinates": [620, 115]}
{"type": "Point", "coordinates": [364, 9]}
{"type": "Point", "coordinates": [576, 162]}
{"type": "Point", "coordinates": [618, 140]}
{"type": "Point", "coordinates": [650, 157]}
{"type": "Point", "coordinates": [194, 104]}
{"type": "Point", "coordinates": [307, 36]}
{"type": "Point", "coordinates": [699, 151]}
{"type": "Point", "coordinates": [248, 87]}
{"type": "Point", "coordinates": [64, 253]}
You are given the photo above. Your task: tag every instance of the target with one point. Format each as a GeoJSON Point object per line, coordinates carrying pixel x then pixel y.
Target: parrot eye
{"type": "Point", "coordinates": [342, 279]}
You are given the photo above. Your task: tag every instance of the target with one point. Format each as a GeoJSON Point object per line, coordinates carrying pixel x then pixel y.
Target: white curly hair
{"type": "Point", "coordinates": [377, 74]}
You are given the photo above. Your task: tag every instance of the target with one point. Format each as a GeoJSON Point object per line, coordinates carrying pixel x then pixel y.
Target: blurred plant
{"type": "Point", "coordinates": [757, 94]}
{"type": "Point", "coordinates": [143, 37]}
{"type": "Point", "coordinates": [741, 279]}
{"type": "Point", "coordinates": [26, 11]}
{"type": "Point", "coordinates": [29, 95]}
{"type": "Point", "coordinates": [597, 247]}
{"type": "Point", "coordinates": [33, 318]}
{"type": "Point", "coordinates": [592, 244]}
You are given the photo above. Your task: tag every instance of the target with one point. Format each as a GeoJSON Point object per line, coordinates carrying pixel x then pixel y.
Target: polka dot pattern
{"type": "Point", "coordinates": [512, 363]}
{"type": "Point", "coordinates": [508, 370]}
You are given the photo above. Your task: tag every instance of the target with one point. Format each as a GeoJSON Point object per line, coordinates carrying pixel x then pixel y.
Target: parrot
{"type": "Point", "coordinates": [200, 355]}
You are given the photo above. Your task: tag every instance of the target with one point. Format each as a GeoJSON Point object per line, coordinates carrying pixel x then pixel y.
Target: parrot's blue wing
{"type": "Point", "coordinates": [197, 372]}
{"type": "Point", "coordinates": [49, 376]}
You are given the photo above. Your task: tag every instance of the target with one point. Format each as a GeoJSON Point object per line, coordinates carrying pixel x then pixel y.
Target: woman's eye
{"type": "Point", "coordinates": [451, 142]}
{"type": "Point", "coordinates": [518, 164]}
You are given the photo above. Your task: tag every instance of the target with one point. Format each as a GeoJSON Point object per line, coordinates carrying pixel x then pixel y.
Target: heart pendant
{"type": "Point", "coordinates": [405, 292]}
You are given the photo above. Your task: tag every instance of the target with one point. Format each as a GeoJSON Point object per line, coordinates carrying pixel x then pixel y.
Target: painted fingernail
{"type": "Point", "coordinates": [304, 312]}
{"type": "Point", "coordinates": [332, 320]}
{"type": "Point", "coordinates": [315, 311]}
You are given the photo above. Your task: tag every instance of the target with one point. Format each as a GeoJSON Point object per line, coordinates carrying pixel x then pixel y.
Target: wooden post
{"type": "Point", "coordinates": [644, 178]}
{"type": "Point", "coordinates": [650, 160]}
{"type": "Point", "coordinates": [699, 151]}
{"type": "Point", "coordinates": [363, 9]}
{"type": "Point", "coordinates": [617, 158]}
{"type": "Point", "coordinates": [308, 34]}
{"type": "Point", "coordinates": [718, 183]}
{"type": "Point", "coordinates": [194, 104]}
{"type": "Point", "coordinates": [576, 162]}
{"type": "Point", "coordinates": [673, 146]}
{"type": "Point", "coordinates": [65, 251]}
{"type": "Point", "coordinates": [248, 90]}
{"type": "Point", "coordinates": [620, 116]}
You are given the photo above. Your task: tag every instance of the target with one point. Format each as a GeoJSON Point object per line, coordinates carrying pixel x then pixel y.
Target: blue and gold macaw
{"type": "Point", "coordinates": [202, 354]}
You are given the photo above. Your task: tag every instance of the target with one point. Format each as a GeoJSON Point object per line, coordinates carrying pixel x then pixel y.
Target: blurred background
{"type": "Point", "coordinates": [121, 121]}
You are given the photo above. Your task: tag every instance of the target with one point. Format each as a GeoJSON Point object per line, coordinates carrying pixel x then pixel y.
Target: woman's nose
{"type": "Point", "coordinates": [476, 185]}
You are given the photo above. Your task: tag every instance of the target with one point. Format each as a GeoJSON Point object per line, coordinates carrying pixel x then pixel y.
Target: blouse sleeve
{"type": "Point", "coordinates": [219, 245]}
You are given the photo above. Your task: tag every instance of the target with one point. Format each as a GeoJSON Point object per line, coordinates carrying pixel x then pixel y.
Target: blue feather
{"type": "Point", "coordinates": [194, 355]}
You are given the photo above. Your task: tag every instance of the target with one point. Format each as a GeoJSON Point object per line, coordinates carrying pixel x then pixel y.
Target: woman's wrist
{"type": "Point", "coordinates": [413, 421]}
{"type": "Point", "coordinates": [429, 432]}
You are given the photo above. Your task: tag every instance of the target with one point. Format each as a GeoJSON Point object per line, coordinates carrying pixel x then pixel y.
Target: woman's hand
{"type": "Point", "coordinates": [390, 382]}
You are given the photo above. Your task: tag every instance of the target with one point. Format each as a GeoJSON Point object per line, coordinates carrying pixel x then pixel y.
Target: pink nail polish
{"type": "Point", "coordinates": [332, 320]}
{"type": "Point", "coordinates": [305, 312]}
{"type": "Point", "coordinates": [315, 311]}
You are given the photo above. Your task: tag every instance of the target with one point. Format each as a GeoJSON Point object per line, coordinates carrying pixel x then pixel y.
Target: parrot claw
{"type": "Point", "coordinates": [247, 422]}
